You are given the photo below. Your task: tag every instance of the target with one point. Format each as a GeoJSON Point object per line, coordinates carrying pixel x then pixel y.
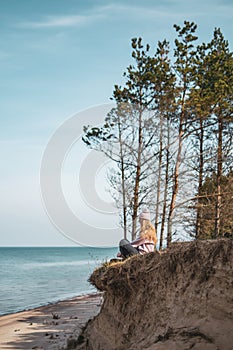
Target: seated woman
{"type": "Point", "coordinates": [146, 241]}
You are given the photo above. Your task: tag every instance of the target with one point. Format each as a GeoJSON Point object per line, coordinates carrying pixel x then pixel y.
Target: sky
{"type": "Point", "coordinates": [59, 62]}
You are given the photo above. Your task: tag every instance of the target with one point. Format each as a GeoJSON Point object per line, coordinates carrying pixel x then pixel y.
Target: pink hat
{"type": "Point", "coordinates": [145, 214]}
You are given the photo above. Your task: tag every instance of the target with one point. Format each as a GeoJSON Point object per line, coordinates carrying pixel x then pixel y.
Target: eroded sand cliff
{"type": "Point", "coordinates": [180, 299]}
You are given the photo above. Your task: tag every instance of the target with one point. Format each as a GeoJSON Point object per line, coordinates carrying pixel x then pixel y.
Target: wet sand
{"type": "Point", "coordinates": [48, 327]}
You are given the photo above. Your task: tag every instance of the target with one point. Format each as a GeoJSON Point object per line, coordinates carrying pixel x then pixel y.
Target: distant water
{"type": "Point", "coordinates": [31, 277]}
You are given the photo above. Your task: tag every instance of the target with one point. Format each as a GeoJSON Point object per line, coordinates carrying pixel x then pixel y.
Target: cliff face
{"type": "Point", "coordinates": [180, 299]}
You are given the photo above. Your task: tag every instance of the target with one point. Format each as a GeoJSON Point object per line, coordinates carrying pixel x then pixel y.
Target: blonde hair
{"type": "Point", "coordinates": [147, 231]}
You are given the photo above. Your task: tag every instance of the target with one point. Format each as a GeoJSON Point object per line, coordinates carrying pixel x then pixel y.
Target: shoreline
{"type": "Point", "coordinates": [49, 303]}
{"type": "Point", "coordinates": [48, 327]}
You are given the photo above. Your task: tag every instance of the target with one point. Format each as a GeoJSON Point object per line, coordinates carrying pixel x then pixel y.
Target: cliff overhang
{"type": "Point", "coordinates": [181, 298]}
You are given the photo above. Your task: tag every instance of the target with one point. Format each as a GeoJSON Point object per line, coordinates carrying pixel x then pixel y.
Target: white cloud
{"type": "Point", "coordinates": [167, 10]}
{"type": "Point", "coordinates": [114, 10]}
{"type": "Point", "coordinates": [138, 11]}
{"type": "Point", "coordinates": [108, 11]}
{"type": "Point", "coordinates": [58, 21]}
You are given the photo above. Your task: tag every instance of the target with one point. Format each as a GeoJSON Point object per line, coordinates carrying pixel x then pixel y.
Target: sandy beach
{"type": "Point", "coordinates": [48, 327]}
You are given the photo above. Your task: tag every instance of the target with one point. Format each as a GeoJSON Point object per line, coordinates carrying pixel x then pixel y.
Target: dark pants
{"type": "Point", "coordinates": [127, 249]}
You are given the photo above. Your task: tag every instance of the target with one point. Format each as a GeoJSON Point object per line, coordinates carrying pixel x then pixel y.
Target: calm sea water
{"type": "Point", "coordinates": [31, 277]}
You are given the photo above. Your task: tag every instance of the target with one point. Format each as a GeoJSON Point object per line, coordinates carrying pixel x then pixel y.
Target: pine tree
{"type": "Point", "coordinates": [184, 67]}
{"type": "Point", "coordinates": [163, 92]}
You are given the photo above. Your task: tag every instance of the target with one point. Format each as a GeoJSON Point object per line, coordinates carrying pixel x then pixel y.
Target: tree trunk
{"type": "Point", "coordinates": [159, 173]}
{"type": "Point", "coordinates": [200, 180]}
{"type": "Point", "coordinates": [219, 175]}
{"type": "Point", "coordinates": [176, 180]}
{"type": "Point", "coordinates": [122, 178]}
{"type": "Point", "coordinates": [137, 178]}
{"type": "Point", "coordinates": [165, 187]}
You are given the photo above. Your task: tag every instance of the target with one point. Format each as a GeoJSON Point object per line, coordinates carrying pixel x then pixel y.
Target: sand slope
{"type": "Point", "coordinates": [179, 300]}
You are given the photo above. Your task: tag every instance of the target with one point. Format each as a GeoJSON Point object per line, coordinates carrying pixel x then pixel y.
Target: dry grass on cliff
{"type": "Point", "coordinates": [121, 277]}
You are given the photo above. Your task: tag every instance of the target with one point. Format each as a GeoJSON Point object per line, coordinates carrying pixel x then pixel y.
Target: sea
{"type": "Point", "coordinates": [36, 276]}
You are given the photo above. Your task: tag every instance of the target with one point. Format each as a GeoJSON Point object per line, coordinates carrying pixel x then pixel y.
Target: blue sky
{"type": "Point", "coordinates": [58, 57]}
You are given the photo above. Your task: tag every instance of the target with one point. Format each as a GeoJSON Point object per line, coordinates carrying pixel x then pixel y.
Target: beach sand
{"type": "Point", "coordinates": [48, 327]}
